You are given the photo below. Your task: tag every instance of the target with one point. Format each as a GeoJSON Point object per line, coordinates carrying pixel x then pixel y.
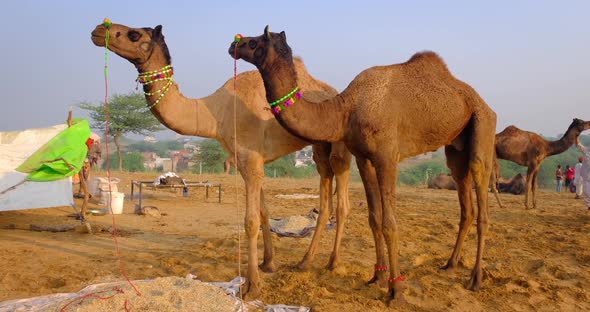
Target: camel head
{"type": "Point", "coordinates": [264, 49]}
{"type": "Point", "coordinates": [137, 45]}
{"type": "Point", "coordinates": [579, 125]}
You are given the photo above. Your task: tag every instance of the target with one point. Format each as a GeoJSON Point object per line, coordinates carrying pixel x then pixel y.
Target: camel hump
{"type": "Point", "coordinates": [428, 58]}
{"type": "Point", "coordinates": [510, 129]}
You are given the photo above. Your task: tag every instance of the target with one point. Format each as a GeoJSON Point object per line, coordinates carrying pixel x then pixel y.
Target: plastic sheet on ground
{"type": "Point", "coordinates": [42, 303]}
{"type": "Point", "coordinates": [296, 226]}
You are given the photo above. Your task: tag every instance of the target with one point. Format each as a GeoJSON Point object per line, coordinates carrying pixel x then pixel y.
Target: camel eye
{"type": "Point", "coordinates": [252, 44]}
{"type": "Point", "coordinates": [133, 35]}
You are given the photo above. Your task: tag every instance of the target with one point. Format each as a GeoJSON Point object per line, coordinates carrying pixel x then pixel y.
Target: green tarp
{"type": "Point", "coordinates": [61, 157]}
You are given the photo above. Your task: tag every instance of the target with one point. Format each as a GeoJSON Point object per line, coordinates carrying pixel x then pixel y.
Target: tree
{"type": "Point", "coordinates": [161, 149]}
{"type": "Point", "coordinates": [127, 114]}
{"type": "Point", "coordinates": [132, 162]}
{"type": "Point", "coordinates": [211, 156]}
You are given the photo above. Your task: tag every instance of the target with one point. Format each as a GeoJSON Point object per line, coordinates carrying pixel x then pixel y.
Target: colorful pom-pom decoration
{"type": "Point", "coordinates": [237, 38]}
{"type": "Point", "coordinates": [106, 22]}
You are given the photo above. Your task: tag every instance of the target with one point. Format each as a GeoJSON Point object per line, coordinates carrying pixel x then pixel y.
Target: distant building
{"type": "Point", "coordinates": [304, 157]}
{"type": "Point", "coordinates": [149, 139]}
{"type": "Point", "coordinates": [164, 164]}
{"type": "Point", "coordinates": [149, 160]}
{"type": "Point", "coordinates": [191, 147]}
{"type": "Point", "coordinates": [180, 160]}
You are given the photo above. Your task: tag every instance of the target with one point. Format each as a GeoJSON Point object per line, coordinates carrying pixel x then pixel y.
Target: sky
{"type": "Point", "coordinates": [529, 60]}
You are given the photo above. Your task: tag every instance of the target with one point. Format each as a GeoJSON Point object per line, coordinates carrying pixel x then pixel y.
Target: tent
{"type": "Point", "coordinates": [36, 165]}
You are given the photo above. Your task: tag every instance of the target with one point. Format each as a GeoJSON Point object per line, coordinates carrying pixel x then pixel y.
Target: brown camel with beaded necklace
{"type": "Point", "coordinates": [386, 114]}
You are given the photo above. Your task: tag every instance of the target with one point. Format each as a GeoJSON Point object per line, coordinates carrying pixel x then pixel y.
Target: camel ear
{"type": "Point", "coordinates": [157, 32]}
{"type": "Point", "coordinates": [266, 33]}
{"type": "Point", "coordinates": [283, 35]}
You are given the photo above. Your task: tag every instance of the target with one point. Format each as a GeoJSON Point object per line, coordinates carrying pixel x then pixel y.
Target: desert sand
{"type": "Point", "coordinates": [535, 260]}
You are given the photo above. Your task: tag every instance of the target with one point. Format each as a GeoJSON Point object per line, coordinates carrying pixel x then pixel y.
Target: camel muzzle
{"type": "Point", "coordinates": [232, 51]}
{"type": "Point", "coordinates": [98, 35]}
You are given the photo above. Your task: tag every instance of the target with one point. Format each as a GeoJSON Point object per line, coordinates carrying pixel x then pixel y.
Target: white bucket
{"type": "Point", "coordinates": [117, 202]}
{"type": "Point", "coordinates": [99, 184]}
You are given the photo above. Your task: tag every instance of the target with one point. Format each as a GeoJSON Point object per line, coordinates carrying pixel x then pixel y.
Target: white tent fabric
{"type": "Point", "coordinates": [15, 148]}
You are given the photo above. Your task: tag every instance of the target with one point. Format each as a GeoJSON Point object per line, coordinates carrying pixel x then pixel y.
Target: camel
{"type": "Point", "coordinates": [442, 181]}
{"type": "Point", "coordinates": [516, 185]}
{"type": "Point", "coordinates": [260, 139]}
{"type": "Point", "coordinates": [530, 149]}
{"type": "Point", "coordinates": [386, 114]}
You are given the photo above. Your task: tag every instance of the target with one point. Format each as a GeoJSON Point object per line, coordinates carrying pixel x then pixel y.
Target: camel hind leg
{"type": "Point", "coordinates": [340, 159]}
{"type": "Point", "coordinates": [529, 186]}
{"type": "Point", "coordinates": [480, 165]}
{"type": "Point", "coordinates": [534, 186]}
{"type": "Point", "coordinates": [251, 167]}
{"type": "Point", "coordinates": [494, 180]}
{"type": "Point", "coordinates": [386, 162]}
{"type": "Point", "coordinates": [321, 157]}
{"type": "Point", "coordinates": [369, 177]}
{"type": "Point", "coordinates": [268, 260]}
{"type": "Point", "coordinates": [458, 162]}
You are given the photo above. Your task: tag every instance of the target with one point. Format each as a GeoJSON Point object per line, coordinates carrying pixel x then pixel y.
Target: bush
{"type": "Point", "coordinates": [421, 173]}
{"type": "Point", "coordinates": [284, 167]}
{"type": "Point", "coordinates": [132, 162]}
{"type": "Point", "coordinates": [211, 156]}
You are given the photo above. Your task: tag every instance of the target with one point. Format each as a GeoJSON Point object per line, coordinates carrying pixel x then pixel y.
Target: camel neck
{"type": "Point", "coordinates": [320, 122]}
{"type": "Point", "coordinates": [566, 141]}
{"type": "Point", "coordinates": [175, 111]}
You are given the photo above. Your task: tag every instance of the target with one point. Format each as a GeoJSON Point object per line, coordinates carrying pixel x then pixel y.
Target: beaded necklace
{"type": "Point", "coordinates": [279, 105]}
{"type": "Point", "coordinates": [165, 73]}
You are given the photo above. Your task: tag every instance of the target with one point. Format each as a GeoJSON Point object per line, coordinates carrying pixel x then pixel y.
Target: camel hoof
{"type": "Point", "coordinates": [267, 267]}
{"type": "Point", "coordinates": [251, 293]}
{"type": "Point", "coordinates": [333, 263]}
{"type": "Point", "coordinates": [379, 279]}
{"type": "Point", "coordinates": [395, 296]}
{"type": "Point", "coordinates": [474, 282]}
{"type": "Point", "coordinates": [449, 267]}
{"type": "Point", "coordinates": [303, 266]}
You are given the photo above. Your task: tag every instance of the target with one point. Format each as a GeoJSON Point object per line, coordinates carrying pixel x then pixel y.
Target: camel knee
{"type": "Point", "coordinates": [389, 226]}
{"type": "Point", "coordinates": [375, 224]}
{"type": "Point", "coordinates": [480, 171]}
{"type": "Point", "coordinates": [252, 225]}
{"type": "Point", "coordinates": [483, 223]}
{"type": "Point", "coordinates": [466, 218]}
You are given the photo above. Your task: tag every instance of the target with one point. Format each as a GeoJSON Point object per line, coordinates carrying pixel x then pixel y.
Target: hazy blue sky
{"type": "Point", "coordinates": [529, 60]}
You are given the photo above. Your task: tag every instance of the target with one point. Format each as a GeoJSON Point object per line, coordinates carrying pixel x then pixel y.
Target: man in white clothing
{"type": "Point", "coordinates": [585, 172]}
{"type": "Point", "coordinates": [578, 177]}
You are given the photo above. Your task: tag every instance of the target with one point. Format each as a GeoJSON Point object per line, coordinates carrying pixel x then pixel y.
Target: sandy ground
{"type": "Point", "coordinates": [535, 260]}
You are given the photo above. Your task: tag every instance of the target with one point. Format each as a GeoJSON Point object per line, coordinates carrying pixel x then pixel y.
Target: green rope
{"type": "Point", "coordinates": [106, 52]}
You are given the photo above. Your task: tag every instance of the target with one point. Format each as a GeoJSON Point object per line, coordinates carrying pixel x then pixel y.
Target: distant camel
{"type": "Point", "coordinates": [530, 149]}
{"type": "Point", "coordinates": [516, 185]}
{"type": "Point", "coordinates": [445, 181]}
{"type": "Point", "coordinates": [385, 115]}
{"type": "Point", "coordinates": [442, 181]}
